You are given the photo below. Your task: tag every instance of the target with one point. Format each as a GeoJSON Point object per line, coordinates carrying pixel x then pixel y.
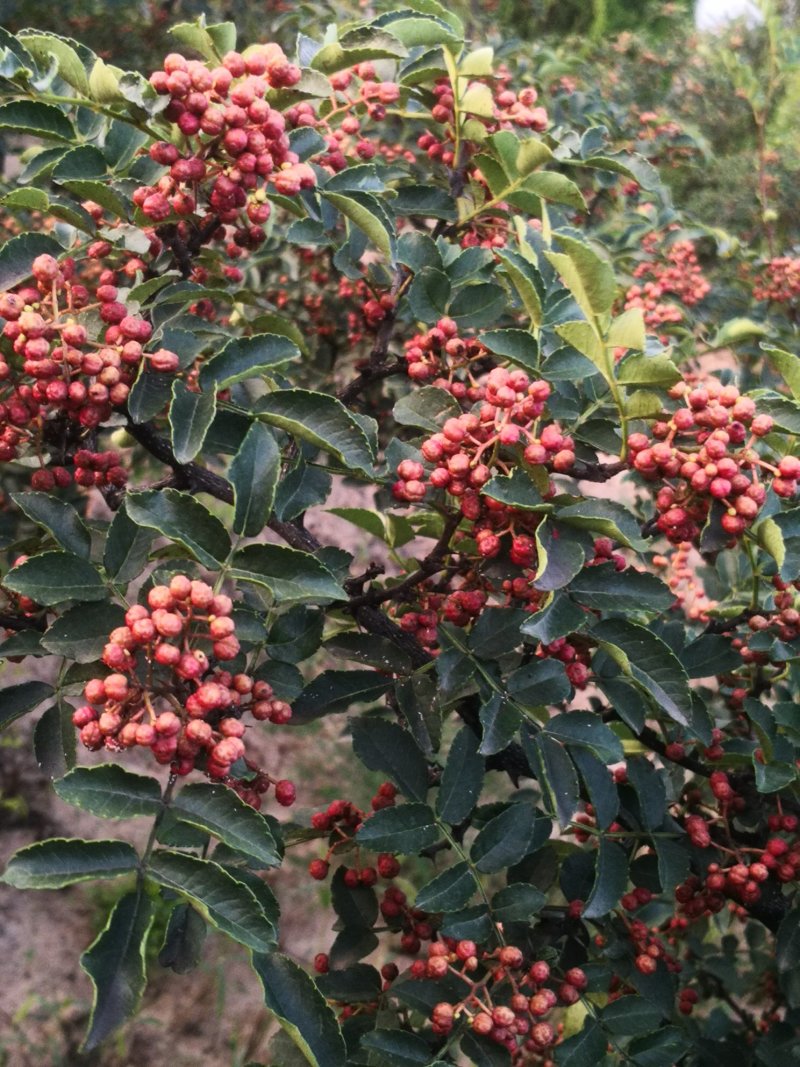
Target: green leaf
{"type": "Point", "coordinates": [421, 30]}
{"type": "Point", "coordinates": [291, 995]}
{"type": "Point", "coordinates": [477, 64]}
{"type": "Point", "coordinates": [180, 517]}
{"type": "Point", "coordinates": [17, 700]}
{"type": "Point", "coordinates": [247, 357]}
{"type": "Point", "coordinates": [560, 556]}
{"type": "Point", "coordinates": [110, 791]}
{"type": "Point", "coordinates": [650, 790]}
{"type": "Point", "coordinates": [17, 256]}
{"type": "Point", "coordinates": [295, 635]}
{"type": "Point", "coordinates": [628, 330]}
{"type": "Point", "coordinates": [427, 407]}
{"type": "Point", "coordinates": [589, 278]}
{"type": "Point", "coordinates": [610, 880]}
{"type": "Point", "coordinates": [397, 1048]}
{"type": "Point", "coordinates": [650, 664]}
{"type": "Point", "coordinates": [639, 369]}
{"type": "Point", "coordinates": [101, 193]}
{"type": "Point", "coordinates": [584, 1049]}
{"type": "Point", "coordinates": [357, 983]}
{"type": "Point", "coordinates": [448, 891]}
{"type": "Point", "coordinates": [356, 906]}
{"type": "Point", "coordinates": [560, 617]}
{"type": "Point", "coordinates": [532, 154]}
{"type": "Point", "coordinates": [190, 415]}
{"type": "Point", "coordinates": [505, 839]}
{"type": "Point", "coordinates": [630, 1015]}
{"type": "Point", "coordinates": [394, 530]}
{"type": "Point", "coordinates": [54, 741]}
{"type": "Point", "coordinates": [429, 295]}
{"type": "Point", "coordinates": [604, 518]}
{"type": "Point", "coordinates": [500, 720]}
{"type": "Point", "coordinates": [538, 683]}
{"type": "Point", "coordinates": [787, 364]}
{"type": "Point", "coordinates": [407, 829]}
{"type": "Point", "coordinates": [673, 862]}
{"type": "Point", "coordinates": [367, 213]}
{"type": "Point", "coordinates": [26, 200]}
{"type": "Point", "coordinates": [115, 963]}
{"type": "Point", "coordinates": [517, 903]}
{"type": "Point", "coordinates": [183, 940]}
{"type": "Point", "coordinates": [69, 54]}
{"type": "Point", "coordinates": [335, 691]}
{"type": "Point", "coordinates": [462, 778]}
{"type": "Point", "coordinates": [555, 771]}
{"type": "Point", "coordinates": [36, 118]}
{"type": "Point", "coordinates": [585, 339]}
{"type": "Point", "coordinates": [321, 420]}
{"type": "Point", "coordinates": [479, 305]}
{"type": "Point", "coordinates": [628, 592]}
{"type": "Point", "coordinates": [518, 346]}
{"type": "Point", "coordinates": [386, 747]}
{"type": "Point", "coordinates": [599, 784]}
{"type": "Point", "coordinates": [497, 631]}
{"type": "Point", "coordinates": [59, 518]}
{"type": "Point", "coordinates": [82, 631]}
{"type": "Point", "coordinates": [61, 861]}
{"type": "Point", "coordinates": [787, 944]}
{"type": "Point", "coordinates": [427, 201]}
{"type": "Point", "coordinates": [127, 548]}
{"type": "Point", "coordinates": [224, 901]}
{"type": "Point", "coordinates": [212, 42]}
{"type": "Point", "coordinates": [664, 1048]}
{"type": "Point", "coordinates": [770, 537]}
{"type": "Point", "coordinates": [551, 185]}
{"type": "Point", "coordinates": [359, 45]}
{"type": "Point", "coordinates": [736, 330]}
{"type": "Point", "coordinates": [587, 729]}
{"type": "Point", "coordinates": [104, 83]}
{"type": "Point", "coordinates": [526, 280]}
{"type": "Point", "coordinates": [53, 577]}
{"type": "Point", "coordinates": [417, 250]}
{"type": "Point", "coordinates": [254, 474]}
{"type": "Point", "coordinates": [289, 574]}
{"type": "Point", "coordinates": [220, 811]}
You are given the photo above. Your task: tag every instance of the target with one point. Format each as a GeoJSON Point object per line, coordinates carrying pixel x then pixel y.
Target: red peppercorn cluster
{"type": "Point", "coordinates": [341, 820]}
{"type": "Point", "coordinates": [236, 142]}
{"type": "Point", "coordinates": [648, 948]}
{"type": "Point", "coordinates": [503, 999]}
{"type": "Point", "coordinates": [739, 874]}
{"type": "Point", "coordinates": [677, 273]}
{"type": "Point", "coordinates": [55, 368]}
{"type": "Point", "coordinates": [441, 351]}
{"type": "Point", "coordinates": [705, 452]}
{"type": "Point", "coordinates": [510, 109]}
{"type": "Point", "coordinates": [165, 695]}
{"type": "Point", "coordinates": [779, 280]}
{"type": "Point", "coordinates": [755, 644]}
{"type": "Point", "coordinates": [357, 95]}
{"type": "Point", "coordinates": [470, 447]}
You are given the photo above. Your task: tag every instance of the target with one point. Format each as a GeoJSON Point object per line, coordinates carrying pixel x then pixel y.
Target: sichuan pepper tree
{"type": "Point", "coordinates": [569, 645]}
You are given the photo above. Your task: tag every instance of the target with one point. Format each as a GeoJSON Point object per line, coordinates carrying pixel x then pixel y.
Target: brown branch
{"type": "Point", "coordinates": [597, 472]}
{"type": "Point", "coordinates": [369, 375]}
{"type": "Point", "coordinates": [375, 370]}
{"type": "Point", "coordinates": [10, 621]}
{"type": "Point", "coordinates": [432, 563]}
